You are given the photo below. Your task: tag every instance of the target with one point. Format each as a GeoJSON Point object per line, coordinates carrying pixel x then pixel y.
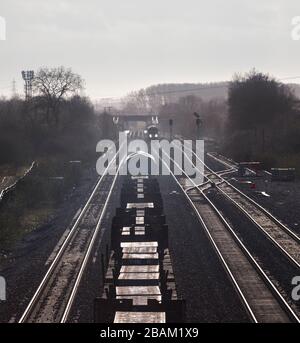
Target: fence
{"type": "Point", "coordinates": [6, 192]}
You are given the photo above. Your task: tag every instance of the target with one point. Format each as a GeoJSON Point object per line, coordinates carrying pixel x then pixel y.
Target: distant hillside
{"type": "Point", "coordinates": [207, 91]}
{"type": "Point", "coordinates": [171, 92]}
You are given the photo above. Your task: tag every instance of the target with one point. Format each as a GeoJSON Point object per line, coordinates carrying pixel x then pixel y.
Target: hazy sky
{"type": "Point", "coordinates": [121, 45]}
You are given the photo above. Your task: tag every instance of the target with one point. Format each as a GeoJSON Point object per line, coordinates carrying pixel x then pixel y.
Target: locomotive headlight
{"type": "Point", "coordinates": [150, 135]}
{"type": "Point", "coordinates": [156, 135]}
{"type": "Point", "coordinates": [145, 131]}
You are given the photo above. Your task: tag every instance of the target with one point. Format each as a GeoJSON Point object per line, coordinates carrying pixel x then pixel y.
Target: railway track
{"type": "Point", "coordinates": [258, 293]}
{"type": "Point", "coordinates": [262, 300]}
{"type": "Point", "coordinates": [281, 236]}
{"type": "Point", "coordinates": [52, 301]}
{"type": "Point", "coordinates": [228, 163]}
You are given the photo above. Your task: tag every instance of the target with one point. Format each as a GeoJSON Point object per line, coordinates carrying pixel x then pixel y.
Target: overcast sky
{"type": "Point", "coordinates": [122, 45]}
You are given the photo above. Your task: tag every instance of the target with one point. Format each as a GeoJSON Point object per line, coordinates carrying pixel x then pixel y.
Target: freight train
{"type": "Point", "coordinates": [139, 283]}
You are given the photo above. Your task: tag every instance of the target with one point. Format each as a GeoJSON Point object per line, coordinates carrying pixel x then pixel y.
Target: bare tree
{"type": "Point", "coordinates": [135, 103]}
{"type": "Point", "coordinates": [53, 85]}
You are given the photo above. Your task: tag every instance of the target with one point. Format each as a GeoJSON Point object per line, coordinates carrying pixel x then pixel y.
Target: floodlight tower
{"type": "Point", "coordinates": [14, 89]}
{"type": "Point", "coordinates": [28, 76]}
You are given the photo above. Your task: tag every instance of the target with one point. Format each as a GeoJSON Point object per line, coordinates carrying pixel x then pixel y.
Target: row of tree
{"type": "Point", "coordinates": [178, 102]}
{"type": "Point", "coordinates": [253, 117]}
{"type": "Point", "coordinates": [56, 121]}
{"type": "Point", "coordinates": [263, 121]}
{"type": "Point", "coordinates": [259, 118]}
{"type": "Point", "coordinates": [154, 97]}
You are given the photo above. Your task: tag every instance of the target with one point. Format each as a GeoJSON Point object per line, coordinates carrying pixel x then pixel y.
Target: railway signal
{"type": "Point", "coordinates": [198, 123]}
{"type": "Point", "coordinates": [171, 128]}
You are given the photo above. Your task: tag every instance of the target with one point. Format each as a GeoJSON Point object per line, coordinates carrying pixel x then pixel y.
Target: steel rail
{"type": "Point", "coordinates": [60, 252]}
{"type": "Point", "coordinates": [261, 272]}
